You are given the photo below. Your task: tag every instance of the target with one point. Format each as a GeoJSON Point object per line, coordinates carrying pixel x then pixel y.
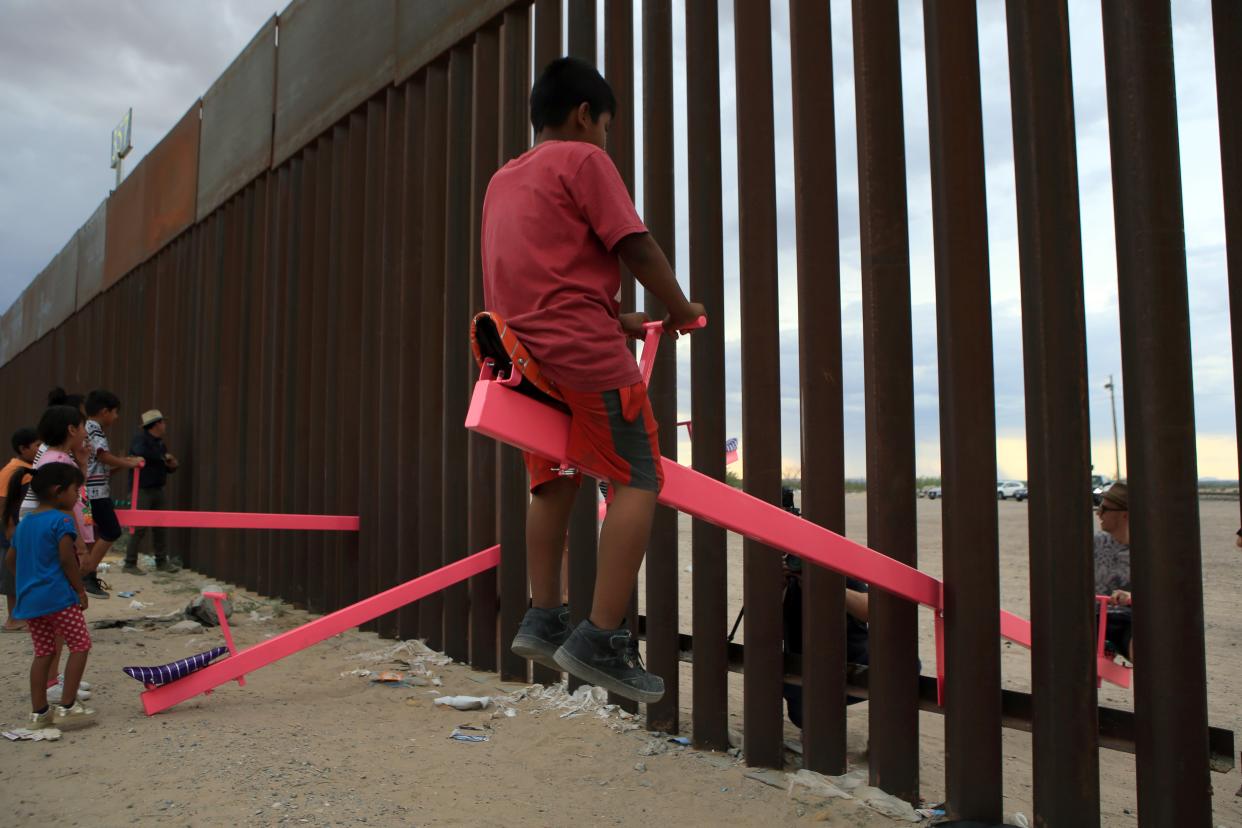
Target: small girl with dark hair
{"type": "Point", "coordinates": [63, 432]}
{"type": "Point", "coordinates": [50, 593]}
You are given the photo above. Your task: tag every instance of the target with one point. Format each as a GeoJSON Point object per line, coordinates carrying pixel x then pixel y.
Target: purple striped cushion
{"type": "Point", "coordinates": [182, 667]}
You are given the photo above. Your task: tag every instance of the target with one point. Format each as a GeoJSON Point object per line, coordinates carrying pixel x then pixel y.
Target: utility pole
{"type": "Point", "coordinates": [121, 143]}
{"type": "Point", "coordinates": [1112, 397]}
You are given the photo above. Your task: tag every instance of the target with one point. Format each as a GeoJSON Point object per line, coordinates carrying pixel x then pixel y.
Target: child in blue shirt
{"type": "Point", "coordinates": [50, 593]}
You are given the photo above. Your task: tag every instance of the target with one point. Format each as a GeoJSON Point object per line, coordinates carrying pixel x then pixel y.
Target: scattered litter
{"type": "Point", "coordinates": [137, 605]}
{"type": "Point", "coordinates": [387, 677]}
{"type": "Point", "coordinates": [465, 702]}
{"type": "Point", "coordinates": [258, 619]}
{"type": "Point", "coordinates": [887, 804]}
{"type": "Point", "coordinates": [1020, 820]}
{"type": "Point", "coordinates": [654, 747]}
{"type": "Point", "coordinates": [774, 778]}
{"type": "Point", "coordinates": [203, 609]}
{"type": "Point", "coordinates": [411, 652]}
{"type": "Point", "coordinates": [22, 734]}
{"type": "Point", "coordinates": [128, 593]}
{"type": "Point", "coordinates": [459, 734]}
{"type": "Point", "coordinates": [356, 672]}
{"type": "Point", "coordinates": [680, 740]}
{"type": "Point", "coordinates": [929, 813]}
{"type": "Point", "coordinates": [809, 787]}
{"type": "Point", "coordinates": [186, 626]}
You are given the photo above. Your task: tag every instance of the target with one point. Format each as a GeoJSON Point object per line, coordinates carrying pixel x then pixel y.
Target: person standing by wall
{"type": "Point", "coordinates": [149, 445]}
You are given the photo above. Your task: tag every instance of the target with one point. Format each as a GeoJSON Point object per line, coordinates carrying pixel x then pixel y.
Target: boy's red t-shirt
{"type": "Point", "coordinates": [551, 219]}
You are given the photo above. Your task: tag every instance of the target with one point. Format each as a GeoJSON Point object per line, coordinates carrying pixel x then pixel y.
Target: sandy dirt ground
{"type": "Point", "coordinates": [312, 741]}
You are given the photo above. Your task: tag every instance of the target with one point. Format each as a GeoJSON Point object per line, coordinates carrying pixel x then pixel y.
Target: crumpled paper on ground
{"type": "Point", "coordinates": [585, 700]}
{"type": "Point", "coordinates": [851, 786]}
{"type": "Point", "coordinates": [22, 734]}
{"type": "Point", "coordinates": [465, 702]}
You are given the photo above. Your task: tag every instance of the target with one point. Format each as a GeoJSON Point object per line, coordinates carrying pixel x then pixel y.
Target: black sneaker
{"type": "Point", "coordinates": [133, 569]}
{"type": "Point", "coordinates": [94, 586]}
{"type": "Point", "coordinates": [167, 566]}
{"type": "Point", "coordinates": [609, 659]}
{"type": "Point", "coordinates": [542, 631]}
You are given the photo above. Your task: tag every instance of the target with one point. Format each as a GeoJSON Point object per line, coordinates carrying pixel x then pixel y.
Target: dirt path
{"type": "Point", "coordinates": [303, 744]}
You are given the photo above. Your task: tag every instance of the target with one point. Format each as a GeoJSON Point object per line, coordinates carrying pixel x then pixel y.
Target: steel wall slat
{"type": "Point", "coordinates": [458, 362]}
{"type": "Point", "coordinates": [388, 298]}
{"type": "Point", "coordinates": [1227, 40]}
{"type": "Point", "coordinates": [660, 216]}
{"type": "Point", "coordinates": [619, 70]}
{"type": "Point", "coordinates": [819, 361]}
{"type": "Point", "coordinates": [967, 414]}
{"type": "Point", "coordinates": [581, 31]}
{"type": "Point", "coordinates": [481, 489]}
{"type": "Point", "coordinates": [1064, 745]}
{"type": "Point", "coordinates": [349, 352]}
{"type": "Point", "coordinates": [431, 353]}
{"type": "Point", "coordinates": [512, 500]}
{"type": "Point", "coordinates": [547, 33]}
{"type": "Point", "coordinates": [710, 711]}
{"type": "Point", "coordinates": [257, 348]}
{"type": "Point", "coordinates": [584, 516]}
{"type": "Point", "coordinates": [318, 273]}
{"type": "Point", "coordinates": [408, 372]}
{"type": "Point", "coordinates": [889, 389]}
{"type": "Point", "coordinates": [1170, 688]}
{"type": "Point", "coordinates": [332, 398]}
{"type": "Point", "coordinates": [299, 407]}
{"type": "Point", "coordinates": [761, 414]}
{"type": "Point", "coordinates": [371, 328]}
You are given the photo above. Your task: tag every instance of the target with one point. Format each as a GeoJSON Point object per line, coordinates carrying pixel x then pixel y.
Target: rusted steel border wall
{"type": "Point", "coordinates": [289, 275]}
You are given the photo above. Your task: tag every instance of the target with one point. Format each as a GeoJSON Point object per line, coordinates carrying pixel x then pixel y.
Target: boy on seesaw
{"type": "Point", "coordinates": [557, 223]}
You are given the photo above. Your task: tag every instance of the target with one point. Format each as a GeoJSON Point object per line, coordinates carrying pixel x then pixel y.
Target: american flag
{"type": "Point", "coordinates": [730, 451]}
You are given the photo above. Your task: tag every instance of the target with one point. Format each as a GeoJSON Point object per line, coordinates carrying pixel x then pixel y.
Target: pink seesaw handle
{"type": "Point", "coordinates": [217, 598]}
{"type": "Point", "coordinates": [652, 341]}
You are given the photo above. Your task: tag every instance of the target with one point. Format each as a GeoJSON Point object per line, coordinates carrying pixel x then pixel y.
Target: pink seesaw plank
{"type": "Point", "coordinates": [309, 634]}
{"type": "Point", "coordinates": [134, 518]}
{"type": "Point", "coordinates": [521, 421]}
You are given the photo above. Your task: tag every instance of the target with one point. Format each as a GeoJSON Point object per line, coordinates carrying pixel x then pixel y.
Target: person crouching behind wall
{"type": "Point", "coordinates": [51, 595]}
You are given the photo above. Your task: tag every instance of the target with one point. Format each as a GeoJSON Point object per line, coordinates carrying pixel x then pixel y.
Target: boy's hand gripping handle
{"type": "Point", "coordinates": [652, 341]}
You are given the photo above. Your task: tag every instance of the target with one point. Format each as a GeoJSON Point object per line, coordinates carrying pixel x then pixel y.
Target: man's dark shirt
{"type": "Point", "coordinates": [856, 638]}
{"type": "Point", "coordinates": [152, 449]}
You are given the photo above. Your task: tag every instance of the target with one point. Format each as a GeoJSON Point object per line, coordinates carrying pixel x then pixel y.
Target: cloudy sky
{"type": "Point", "coordinates": [69, 70]}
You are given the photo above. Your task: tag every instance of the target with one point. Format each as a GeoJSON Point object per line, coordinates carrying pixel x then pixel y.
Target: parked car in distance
{"type": "Point", "coordinates": [1010, 488]}
{"type": "Point", "coordinates": [933, 492]}
{"type": "Point", "coordinates": [1099, 485]}
{"type": "Point", "coordinates": [1022, 493]}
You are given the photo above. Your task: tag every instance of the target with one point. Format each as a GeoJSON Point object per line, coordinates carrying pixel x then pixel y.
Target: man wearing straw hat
{"type": "Point", "coordinates": [149, 445]}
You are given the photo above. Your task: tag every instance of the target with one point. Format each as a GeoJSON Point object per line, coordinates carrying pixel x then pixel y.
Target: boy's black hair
{"type": "Point", "coordinates": [13, 498]}
{"type": "Point", "coordinates": [100, 400]}
{"type": "Point", "coordinates": [58, 396]}
{"type": "Point", "coordinates": [52, 477]}
{"type": "Point", "coordinates": [55, 422]}
{"type": "Point", "coordinates": [565, 84]}
{"type": "Point", "coordinates": [22, 438]}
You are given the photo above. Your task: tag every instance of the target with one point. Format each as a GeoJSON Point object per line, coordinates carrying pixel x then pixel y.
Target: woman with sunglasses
{"type": "Point", "coordinates": [1112, 564]}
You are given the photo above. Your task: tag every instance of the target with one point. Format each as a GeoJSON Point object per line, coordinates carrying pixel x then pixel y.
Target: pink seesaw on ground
{"type": "Point", "coordinates": [241, 662]}
{"type": "Point", "coordinates": [525, 419]}
{"type": "Point", "coordinates": [133, 518]}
